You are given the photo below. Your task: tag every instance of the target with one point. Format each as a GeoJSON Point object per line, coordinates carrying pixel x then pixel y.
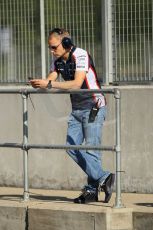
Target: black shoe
{"type": "Point", "coordinates": [87, 196]}
{"type": "Point", "coordinates": [107, 187]}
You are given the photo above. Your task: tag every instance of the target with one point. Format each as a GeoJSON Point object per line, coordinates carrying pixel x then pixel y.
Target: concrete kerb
{"type": "Point", "coordinates": [38, 217]}
{"type": "Point", "coordinates": [54, 210]}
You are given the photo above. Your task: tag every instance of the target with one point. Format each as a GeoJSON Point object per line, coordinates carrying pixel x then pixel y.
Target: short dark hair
{"type": "Point", "coordinates": [59, 31]}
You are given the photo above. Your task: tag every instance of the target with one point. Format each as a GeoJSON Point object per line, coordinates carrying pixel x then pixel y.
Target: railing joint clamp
{"type": "Point", "coordinates": [117, 148]}
{"type": "Point", "coordinates": [25, 147]}
{"type": "Point", "coordinates": [117, 94]}
{"type": "Point", "coordinates": [24, 93]}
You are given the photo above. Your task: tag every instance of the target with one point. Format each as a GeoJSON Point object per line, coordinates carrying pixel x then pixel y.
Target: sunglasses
{"type": "Point", "coordinates": [53, 47]}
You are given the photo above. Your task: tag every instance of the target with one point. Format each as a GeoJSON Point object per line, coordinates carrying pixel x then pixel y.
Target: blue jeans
{"type": "Point", "coordinates": [79, 131]}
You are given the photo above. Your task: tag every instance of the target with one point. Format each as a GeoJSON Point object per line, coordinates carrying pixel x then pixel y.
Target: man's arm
{"type": "Point", "coordinates": [52, 76]}
{"type": "Point", "coordinates": [42, 83]}
{"type": "Point", "coordinates": [73, 84]}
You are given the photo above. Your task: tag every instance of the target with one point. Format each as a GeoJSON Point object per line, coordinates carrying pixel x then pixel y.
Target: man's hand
{"type": "Point", "coordinates": [39, 83]}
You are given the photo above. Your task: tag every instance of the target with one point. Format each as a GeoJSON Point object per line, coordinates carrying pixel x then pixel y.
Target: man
{"type": "Point", "coordinates": [88, 110]}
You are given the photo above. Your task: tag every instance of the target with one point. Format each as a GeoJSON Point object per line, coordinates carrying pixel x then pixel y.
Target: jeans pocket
{"type": "Point", "coordinates": [101, 116]}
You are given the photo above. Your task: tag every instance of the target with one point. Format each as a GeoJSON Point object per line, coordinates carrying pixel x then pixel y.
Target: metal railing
{"type": "Point", "coordinates": [24, 28]}
{"type": "Point", "coordinates": [25, 146]}
{"type": "Point", "coordinates": [117, 33]}
{"type": "Point", "coordinates": [132, 30]}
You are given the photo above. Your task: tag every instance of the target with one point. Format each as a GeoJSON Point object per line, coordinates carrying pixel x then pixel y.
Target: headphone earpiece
{"type": "Point", "coordinates": [67, 43]}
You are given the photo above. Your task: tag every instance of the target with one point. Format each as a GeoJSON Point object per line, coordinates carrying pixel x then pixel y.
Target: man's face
{"type": "Point", "coordinates": [55, 46]}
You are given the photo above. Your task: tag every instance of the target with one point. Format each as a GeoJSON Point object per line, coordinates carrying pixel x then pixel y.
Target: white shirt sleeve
{"type": "Point", "coordinates": [82, 62]}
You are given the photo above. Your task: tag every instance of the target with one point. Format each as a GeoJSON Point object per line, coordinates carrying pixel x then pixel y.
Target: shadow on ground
{"type": "Point", "coordinates": [17, 197]}
{"type": "Point", "coordinates": [145, 204]}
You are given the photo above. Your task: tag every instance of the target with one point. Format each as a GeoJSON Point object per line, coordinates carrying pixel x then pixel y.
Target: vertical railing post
{"type": "Point", "coordinates": [118, 201]}
{"type": "Point", "coordinates": [25, 142]}
{"type": "Point", "coordinates": [107, 45]}
{"type": "Point", "coordinates": [43, 42]}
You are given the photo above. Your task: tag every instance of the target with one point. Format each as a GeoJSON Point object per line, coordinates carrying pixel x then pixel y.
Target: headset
{"type": "Point", "coordinates": [66, 41]}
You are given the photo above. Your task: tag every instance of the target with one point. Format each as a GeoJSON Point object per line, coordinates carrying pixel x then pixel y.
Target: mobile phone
{"type": "Point", "coordinates": [30, 78]}
{"type": "Point", "coordinates": [93, 114]}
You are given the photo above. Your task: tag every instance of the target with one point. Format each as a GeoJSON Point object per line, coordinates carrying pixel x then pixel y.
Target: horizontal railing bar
{"type": "Point", "coordinates": [11, 145]}
{"type": "Point", "coordinates": [66, 147]}
{"type": "Point", "coordinates": [54, 91]}
{"type": "Point", "coordinates": [74, 147]}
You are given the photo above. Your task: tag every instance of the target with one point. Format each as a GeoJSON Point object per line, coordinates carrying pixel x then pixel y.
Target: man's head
{"type": "Point", "coordinates": [59, 42]}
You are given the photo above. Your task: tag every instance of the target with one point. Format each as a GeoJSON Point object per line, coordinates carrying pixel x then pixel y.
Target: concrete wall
{"type": "Point", "coordinates": [12, 218]}
{"type": "Point", "coordinates": [48, 124]}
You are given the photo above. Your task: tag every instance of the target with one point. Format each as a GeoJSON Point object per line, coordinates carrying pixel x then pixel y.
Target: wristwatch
{"type": "Point", "coordinates": [49, 85]}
